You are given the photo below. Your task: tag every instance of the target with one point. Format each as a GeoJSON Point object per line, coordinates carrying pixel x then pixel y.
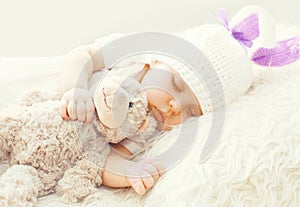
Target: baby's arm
{"type": "Point", "coordinates": [141, 175]}
{"type": "Point", "coordinates": [77, 67]}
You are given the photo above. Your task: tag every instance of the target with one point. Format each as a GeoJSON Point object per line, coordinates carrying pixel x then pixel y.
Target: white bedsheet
{"type": "Point", "coordinates": [19, 74]}
{"type": "Point", "coordinates": [257, 162]}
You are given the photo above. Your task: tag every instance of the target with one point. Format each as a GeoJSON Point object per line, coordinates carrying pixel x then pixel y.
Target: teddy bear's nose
{"type": "Point", "coordinates": [130, 105]}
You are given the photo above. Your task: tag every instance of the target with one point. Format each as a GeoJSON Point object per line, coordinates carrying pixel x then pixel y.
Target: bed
{"type": "Point", "coordinates": [256, 163]}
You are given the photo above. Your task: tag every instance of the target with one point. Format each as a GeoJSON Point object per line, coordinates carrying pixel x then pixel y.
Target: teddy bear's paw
{"type": "Point", "coordinates": [78, 193]}
{"type": "Point", "coordinates": [75, 190]}
{"type": "Point", "coordinates": [75, 198]}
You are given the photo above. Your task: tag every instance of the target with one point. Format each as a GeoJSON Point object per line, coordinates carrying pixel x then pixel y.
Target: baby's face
{"type": "Point", "coordinates": [170, 99]}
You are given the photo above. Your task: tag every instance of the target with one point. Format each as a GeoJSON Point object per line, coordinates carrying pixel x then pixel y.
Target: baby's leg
{"type": "Point", "coordinates": [20, 186]}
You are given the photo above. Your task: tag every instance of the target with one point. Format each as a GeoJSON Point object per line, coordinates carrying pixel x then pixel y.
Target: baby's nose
{"type": "Point", "coordinates": [174, 106]}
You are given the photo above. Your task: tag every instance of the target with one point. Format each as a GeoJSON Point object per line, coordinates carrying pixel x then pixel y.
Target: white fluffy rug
{"type": "Point", "coordinates": [257, 162]}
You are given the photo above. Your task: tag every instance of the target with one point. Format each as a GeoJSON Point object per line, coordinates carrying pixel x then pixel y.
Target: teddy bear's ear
{"type": "Point", "coordinates": [140, 75]}
{"type": "Point", "coordinates": [111, 103]}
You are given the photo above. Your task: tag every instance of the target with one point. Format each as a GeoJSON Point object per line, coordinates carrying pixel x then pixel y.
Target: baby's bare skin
{"type": "Point", "coordinates": [77, 103]}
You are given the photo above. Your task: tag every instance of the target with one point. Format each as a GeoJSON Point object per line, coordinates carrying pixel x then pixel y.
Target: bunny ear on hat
{"type": "Point", "coordinates": [245, 31]}
{"type": "Point", "coordinates": [254, 28]}
{"type": "Point", "coordinates": [283, 53]}
{"type": "Point", "coordinates": [255, 20]}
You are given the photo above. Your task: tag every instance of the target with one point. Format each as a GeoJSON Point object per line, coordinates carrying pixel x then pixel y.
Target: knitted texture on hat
{"type": "Point", "coordinates": [231, 75]}
{"type": "Point", "coordinates": [229, 61]}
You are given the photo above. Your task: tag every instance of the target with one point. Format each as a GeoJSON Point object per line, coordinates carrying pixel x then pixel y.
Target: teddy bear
{"type": "Point", "coordinates": [47, 154]}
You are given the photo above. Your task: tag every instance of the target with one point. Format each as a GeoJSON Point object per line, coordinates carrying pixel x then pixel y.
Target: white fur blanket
{"type": "Point", "coordinates": [257, 162]}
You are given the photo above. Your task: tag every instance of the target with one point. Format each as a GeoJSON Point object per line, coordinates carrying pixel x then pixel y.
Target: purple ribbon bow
{"type": "Point", "coordinates": [283, 53]}
{"type": "Point", "coordinates": [245, 31]}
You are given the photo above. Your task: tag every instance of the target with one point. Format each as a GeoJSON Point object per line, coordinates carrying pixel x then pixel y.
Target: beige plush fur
{"type": "Point", "coordinates": [48, 154]}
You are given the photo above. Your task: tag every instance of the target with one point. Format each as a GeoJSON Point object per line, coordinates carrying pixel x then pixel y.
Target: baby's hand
{"type": "Point", "coordinates": [143, 174]}
{"type": "Point", "coordinates": [77, 103]}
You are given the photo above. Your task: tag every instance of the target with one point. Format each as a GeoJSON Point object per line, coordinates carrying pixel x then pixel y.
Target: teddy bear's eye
{"type": "Point", "coordinates": [130, 105]}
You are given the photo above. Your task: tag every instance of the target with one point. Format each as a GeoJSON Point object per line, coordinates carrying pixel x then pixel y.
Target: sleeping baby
{"type": "Point", "coordinates": [176, 91]}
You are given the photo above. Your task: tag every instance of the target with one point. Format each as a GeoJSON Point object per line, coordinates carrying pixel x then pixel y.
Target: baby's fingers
{"type": "Point", "coordinates": [139, 187]}
{"type": "Point", "coordinates": [90, 110]}
{"type": "Point", "coordinates": [63, 109]}
{"type": "Point", "coordinates": [81, 111]}
{"type": "Point", "coordinates": [85, 111]}
{"type": "Point", "coordinates": [72, 110]}
{"type": "Point", "coordinates": [161, 169]}
{"type": "Point", "coordinates": [148, 180]}
{"type": "Point", "coordinates": [152, 171]}
{"type": "Point", "coordinates": [142, 183]}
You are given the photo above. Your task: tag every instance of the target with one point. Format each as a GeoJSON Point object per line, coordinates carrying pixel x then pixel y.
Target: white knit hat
{"type": "Point", "coordinates": [225, 62]}
{"type": "Point", "coordinates": [228, 69]}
